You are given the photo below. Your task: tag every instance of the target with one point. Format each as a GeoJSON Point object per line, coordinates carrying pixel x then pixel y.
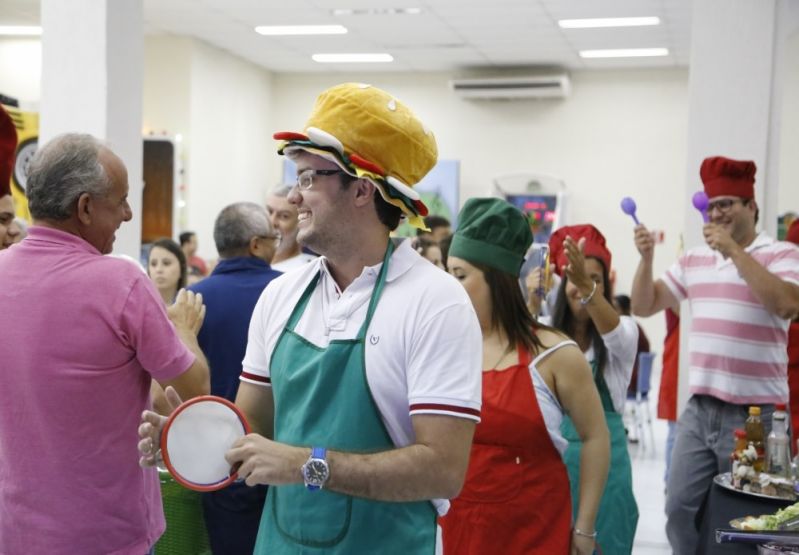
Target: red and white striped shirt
{"type": "Point", "coordinates": [737, 348]}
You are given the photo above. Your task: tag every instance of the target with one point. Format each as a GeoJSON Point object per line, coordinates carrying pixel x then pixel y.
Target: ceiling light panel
{"type": "Point", "coordinates": [625, 53]}
{"type": "Point", "coordinates": [300, 30]}
{"type": "Point", "coordinates": [604, 22]}
{"type": "Point", "coordinates": [366, 58]}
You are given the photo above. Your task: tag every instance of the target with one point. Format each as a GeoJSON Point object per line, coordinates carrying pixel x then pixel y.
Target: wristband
{"type": "Point", "coordinates": [587, 299]}
{"type": "Point", "coordinates": [585, 534]}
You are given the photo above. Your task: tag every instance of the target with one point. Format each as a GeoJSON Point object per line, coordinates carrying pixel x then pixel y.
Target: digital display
{"type": "Point", "coordinates": [540, 211]}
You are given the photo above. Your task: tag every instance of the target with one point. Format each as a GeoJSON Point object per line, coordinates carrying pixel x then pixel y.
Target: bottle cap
{"type": "Point", "coordinates": [780, 406]}
{"type": "Point", "coordinates": [754, 411]}
{"type": "Point", "coordinates": [740, 434]}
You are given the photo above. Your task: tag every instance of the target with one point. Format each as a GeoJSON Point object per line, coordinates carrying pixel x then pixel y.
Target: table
{"type": "Point", "coordinates": [719, 508]}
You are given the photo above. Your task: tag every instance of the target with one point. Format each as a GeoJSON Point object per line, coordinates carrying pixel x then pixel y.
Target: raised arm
{"type": "Point", "coordinates": [780, 297]}
{"type": "Point", "coordinates": [187, 314]}
{"type": "Point", "coordinates": [648, 296]}
{"type": "Point", "coordinates": [602, 313]}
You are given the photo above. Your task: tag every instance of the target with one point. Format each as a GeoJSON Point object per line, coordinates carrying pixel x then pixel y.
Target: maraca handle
{"type": "Point", "coordinates": [635, 219]}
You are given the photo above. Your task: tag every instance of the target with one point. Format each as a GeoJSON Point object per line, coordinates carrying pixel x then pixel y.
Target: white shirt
{"type": "Point", "coordinates": [423, 345]}
{"type": "Point", "coordinates": [294, 262]}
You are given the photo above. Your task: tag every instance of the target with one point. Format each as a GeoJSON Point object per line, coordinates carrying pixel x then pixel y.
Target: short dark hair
{"type": "Point", "coordinates": [185, 237]}
{"type": "Point", "coordinates": [433, 221]}
{"type": "Point", "coordinates": [388, 214]}
{"type": "Point", "coordinates": [168, 244]}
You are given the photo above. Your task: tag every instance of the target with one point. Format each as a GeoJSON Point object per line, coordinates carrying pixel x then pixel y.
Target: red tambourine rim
{"type": "Point", "coordinates": [175, 474]}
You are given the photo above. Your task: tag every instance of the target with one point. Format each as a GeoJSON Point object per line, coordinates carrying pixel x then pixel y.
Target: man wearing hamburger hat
{"type": "Point", "coordinates": [743, 289]}
{"type": "Point", "coordinates": [363, 369]}
{"type": "Point", "coordinates": [8, 145]}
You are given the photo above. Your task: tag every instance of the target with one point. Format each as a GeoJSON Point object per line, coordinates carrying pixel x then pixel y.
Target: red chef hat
{"type": "Point", "coordinates": [8, 149]}
{"type": "Point", "coordinates": [594, 245]}
{"type": "Point", "coordinates": [725, 177]}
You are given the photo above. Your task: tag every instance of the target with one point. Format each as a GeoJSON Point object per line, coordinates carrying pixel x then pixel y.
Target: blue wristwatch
{"type": "Point", "coordinates": [315, 471]}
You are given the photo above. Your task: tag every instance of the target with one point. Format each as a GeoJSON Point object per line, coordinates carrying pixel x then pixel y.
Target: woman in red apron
{"type": "Point", "coordinates": [516, 497]}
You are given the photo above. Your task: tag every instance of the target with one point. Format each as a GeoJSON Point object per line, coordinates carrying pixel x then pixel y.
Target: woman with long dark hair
{"type": "Point", "coordinates": [166, 266]}
{"type": "Point", "coordinates": [584, 311]}
{"type": "Point", "coordinates": [516, 496]}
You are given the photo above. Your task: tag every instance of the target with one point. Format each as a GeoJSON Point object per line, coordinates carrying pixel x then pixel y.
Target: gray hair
{"type": "Point", "coordinates": [236, 224]}
{"type": "Point", "coordinates": [62, 170]}
{"type": "Point", "coordinates": [281, 190]}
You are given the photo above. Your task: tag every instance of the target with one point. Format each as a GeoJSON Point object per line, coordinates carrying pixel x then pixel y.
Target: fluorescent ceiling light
{"type": "Point", "coordinates": [375, 11]}
{"type": "Point", "coordinates": [608, 22]}
{"type": "Point", "coordinates": [20, 30]}
{"type": "Point", "coordinates": [287, 30]}
{"type": "Point", "coordinates": [625, 53]}
{"type": "Point", "coordinates": [351, 58]}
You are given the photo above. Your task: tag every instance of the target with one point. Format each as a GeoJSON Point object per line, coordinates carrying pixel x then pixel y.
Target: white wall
{"type": "Point", "coordinates": [21, 69]}
{"type": "Point", "coordinates": [620, 133]}
{"type": "Point", "coordinates": [789, 141]}
{"type": "Point", "coordinates": [231, 138]}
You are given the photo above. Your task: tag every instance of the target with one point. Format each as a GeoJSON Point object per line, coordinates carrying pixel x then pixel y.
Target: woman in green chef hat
{"type": "Point", "coordinates": [516, 496]}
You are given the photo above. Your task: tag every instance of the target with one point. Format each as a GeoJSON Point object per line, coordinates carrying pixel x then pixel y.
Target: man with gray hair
{"type": "Point", "coordinates": [284, 218]}
{"type": "Point", "coordinates": [90, 333]}
{"type": "Point", "coordinates": [246, 243]}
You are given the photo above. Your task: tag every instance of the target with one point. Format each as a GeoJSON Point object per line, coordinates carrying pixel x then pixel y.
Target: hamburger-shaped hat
{"type": "Point", "coordinates": [492, 232]}
{"type": "Point", "coordinates": [594, 245]}
{"type": "Point", "coordinates": [8, 149]}
{"type": "Point", "coordinates": [370, 134]}
{"type": "Point", "coordinates": [726, 177]}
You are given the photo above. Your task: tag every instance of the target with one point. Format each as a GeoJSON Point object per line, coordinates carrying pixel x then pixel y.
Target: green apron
{"type": "Point", "coordinates": [617, 517]}
{"type": "Point", "coordinates": [322, 399]}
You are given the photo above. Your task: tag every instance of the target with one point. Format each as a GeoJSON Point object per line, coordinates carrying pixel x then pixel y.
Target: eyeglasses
{"type": "Point", "coordinates": [305, 179]}
{"type": "Point", "coordinates": [723, 205]}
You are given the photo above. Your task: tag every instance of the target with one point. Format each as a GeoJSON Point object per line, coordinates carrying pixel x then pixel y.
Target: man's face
{"type": "Point", "coordinates": [322, 207]}
{"type": "Point", "coordinates": [283, 216]}
{"type": "Point", "coordinates": [7, 230]}
{"type": "Point", "coordinates": [190, 247]}
{"type": "Point", "coordinates": [108, 212]}
{"type": "Point", "coordinates": [735, 215]}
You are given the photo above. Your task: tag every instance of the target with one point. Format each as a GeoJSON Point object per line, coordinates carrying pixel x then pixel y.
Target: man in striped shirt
{"type": "Point", "coordinates": [743, 289]}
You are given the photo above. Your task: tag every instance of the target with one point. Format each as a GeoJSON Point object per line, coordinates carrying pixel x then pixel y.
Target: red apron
{"type": "Point", "coordinates": [516, 497]}
{"type": "Point", "coordinates": [793, 380]}
{"type": "Point", "coordinates": [667, 397]}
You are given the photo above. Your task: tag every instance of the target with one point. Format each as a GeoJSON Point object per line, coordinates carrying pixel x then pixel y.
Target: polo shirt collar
{"type": "Point", "coordinates": [402, 260]}
{"type": "Point", "coordinates": [238, 263]}
{"type": "Point", "coordinates": [48, 235]}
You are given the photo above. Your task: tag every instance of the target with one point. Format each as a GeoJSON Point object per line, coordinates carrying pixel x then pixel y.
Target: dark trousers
{"type": "Point", "coordinates": [232, 516]}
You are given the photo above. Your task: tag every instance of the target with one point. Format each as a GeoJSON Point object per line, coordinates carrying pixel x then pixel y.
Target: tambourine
{"type": "Point", "coordinates": [195, 439]}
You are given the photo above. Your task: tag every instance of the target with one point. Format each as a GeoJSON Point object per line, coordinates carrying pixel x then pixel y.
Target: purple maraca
{"type": "Point", "coordinates": [700, 202]}
{"type": "Point", "coordinates": [628, 207]}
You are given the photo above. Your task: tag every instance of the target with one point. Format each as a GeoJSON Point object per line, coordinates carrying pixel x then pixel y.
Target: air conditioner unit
{"type": "Point", "coordinates": [533, 86]}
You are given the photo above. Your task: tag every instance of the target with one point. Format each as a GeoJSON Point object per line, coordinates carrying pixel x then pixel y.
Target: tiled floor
{"type": "Point", "coordinates": [648, 461]}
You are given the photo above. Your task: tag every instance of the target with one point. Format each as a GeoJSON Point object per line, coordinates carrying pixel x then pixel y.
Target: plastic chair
{"type": "Point", "coordinates": [643, 414]}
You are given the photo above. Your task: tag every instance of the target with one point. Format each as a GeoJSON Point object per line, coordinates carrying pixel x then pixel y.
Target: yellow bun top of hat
{"type": "Point", "coordinates": [377, 127]}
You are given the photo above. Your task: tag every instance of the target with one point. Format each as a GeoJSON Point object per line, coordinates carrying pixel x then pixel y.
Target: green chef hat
{"type": "Point", "coordinates": [492, 232]}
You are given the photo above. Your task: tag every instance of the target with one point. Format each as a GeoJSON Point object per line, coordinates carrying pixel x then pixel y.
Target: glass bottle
{"type": "Point", "coordinates": [740, 445]}
{"type": "Point", "coordinates": [778, 447]}
{"type": "Point", "coordinates": [755, 436]}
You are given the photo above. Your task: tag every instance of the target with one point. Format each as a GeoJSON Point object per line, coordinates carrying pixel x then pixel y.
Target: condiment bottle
{"type": "Point", "coordinates": [755, 436]}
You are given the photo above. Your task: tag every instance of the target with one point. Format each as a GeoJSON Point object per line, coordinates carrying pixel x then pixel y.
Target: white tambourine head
{"type": "Point", "coordinates": [195, 439]}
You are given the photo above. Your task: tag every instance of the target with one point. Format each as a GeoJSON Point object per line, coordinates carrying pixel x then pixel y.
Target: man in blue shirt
{"type": "Point", "coordinates": [246, 243]}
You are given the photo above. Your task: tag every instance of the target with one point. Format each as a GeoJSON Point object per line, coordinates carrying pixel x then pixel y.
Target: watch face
{"type": "Point", "coordinates": [315, 472]}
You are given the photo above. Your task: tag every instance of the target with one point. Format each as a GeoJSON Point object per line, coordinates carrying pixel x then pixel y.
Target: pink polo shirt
{"type": "Point", "coordinates": [82, 334]}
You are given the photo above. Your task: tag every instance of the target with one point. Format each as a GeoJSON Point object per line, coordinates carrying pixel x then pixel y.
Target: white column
{"type": "Point", "coordinates": [92, 52]}
{"type": "Point", "coordinates": [734, 103]}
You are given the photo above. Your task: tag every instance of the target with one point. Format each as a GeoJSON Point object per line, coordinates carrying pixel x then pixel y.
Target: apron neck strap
{"type": "Point", "coordinates": [378, 290]}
